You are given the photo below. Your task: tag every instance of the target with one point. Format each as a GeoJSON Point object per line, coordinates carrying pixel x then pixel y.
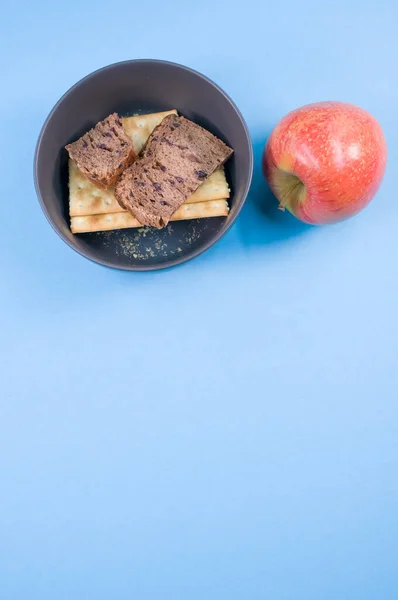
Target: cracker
{"type": "Point", "coordinates": [140, 127]}
{"type": "Point", "coordinates": [86, 199]}
{"type": "Point", "coordinates": [214, 188]}
{"type": "Point", "coordinates": [123, 220]}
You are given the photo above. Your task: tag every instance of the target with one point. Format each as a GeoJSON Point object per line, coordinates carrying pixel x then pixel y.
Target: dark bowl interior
{"type": "Point", "coordinates": [132, 87]}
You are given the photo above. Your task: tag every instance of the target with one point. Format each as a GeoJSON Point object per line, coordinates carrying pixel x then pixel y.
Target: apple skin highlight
{"type": "Point", "coordinates": [325, 161]}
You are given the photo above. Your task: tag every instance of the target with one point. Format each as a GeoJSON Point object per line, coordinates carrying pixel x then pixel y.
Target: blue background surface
{"type": "Point", "coordinates": [228, 428]}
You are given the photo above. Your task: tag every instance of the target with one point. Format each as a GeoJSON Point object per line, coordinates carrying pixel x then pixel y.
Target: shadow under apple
{"type": "Point", "coordinates": [261, 221]}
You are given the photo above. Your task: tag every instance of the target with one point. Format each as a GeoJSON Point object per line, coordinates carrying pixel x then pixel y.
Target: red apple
{"type": "Point", "coordinates": [325, 161]}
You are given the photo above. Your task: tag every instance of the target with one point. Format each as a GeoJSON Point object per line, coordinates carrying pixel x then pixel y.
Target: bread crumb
{"type": "Point", "coordinates": [151, 245]}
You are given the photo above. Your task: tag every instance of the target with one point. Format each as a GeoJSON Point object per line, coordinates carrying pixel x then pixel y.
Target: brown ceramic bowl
{"type": "Point", "coordinates": [140, 86]}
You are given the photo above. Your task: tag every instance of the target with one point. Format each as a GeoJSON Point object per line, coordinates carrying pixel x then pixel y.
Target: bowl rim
{"type": "Point", "coordinates": [174, 261]}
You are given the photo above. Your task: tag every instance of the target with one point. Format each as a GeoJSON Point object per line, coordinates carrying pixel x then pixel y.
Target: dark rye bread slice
{"type": "Point", "coordinates": [149, 193]}
{"type": "Point", "coordinates": [104, 152]}
{"type": "Point", "coordinates": [177, 159]}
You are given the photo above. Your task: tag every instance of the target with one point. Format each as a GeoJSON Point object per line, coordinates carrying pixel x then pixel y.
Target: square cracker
{"type": "Point", "coordinates": [140, 127]}
{"type": "Point", "coordinates": [86, 199]}
{"type": "Point", "coordinates": [110, 221]}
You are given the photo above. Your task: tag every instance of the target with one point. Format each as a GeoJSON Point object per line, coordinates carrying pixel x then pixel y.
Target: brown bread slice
{"type": "Point", "coordinates": [149, 194]}
{"type": "Point", "coordinates": [177, 159]}
{"type": "Point", "coordinates": [104, 152]}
